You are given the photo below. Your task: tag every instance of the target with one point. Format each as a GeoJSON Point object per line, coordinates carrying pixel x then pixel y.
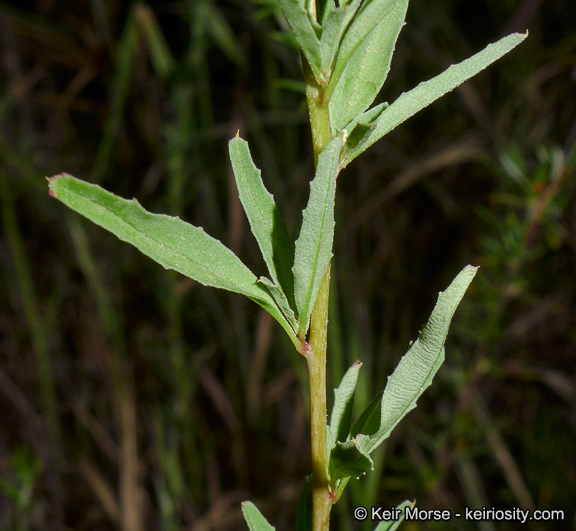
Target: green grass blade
{"type": "Point", "coordinates": [24, 281]}
{"type": "Point", "coordinates": [419, 365]}
{"type": "Point", "coordinates": [342, 409]}
{"type": "Point", "coordinates": [265, 219]}
{"type": "Point", "coordinates": [160, 55]}
{"type": "Point", "coordinates": [121, 88]}
{"type": "Point", "coordinates": [313, 249]}
{"type": "Point", "coordinates": [425, 93]}
{"type": "Point", "coordinates": [222, 34]}
{"type": "Point", "coordinates": [254, 518]}
{"type": "Point", "coordinates": [168, 240]}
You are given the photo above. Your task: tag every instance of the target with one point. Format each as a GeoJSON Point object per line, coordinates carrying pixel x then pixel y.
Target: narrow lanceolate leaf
{"type": "Point", "coordinates": [281, 301]}
{"type": "Point", "coordinates": [425, 93]}
{"type": "Point", "coordinates": [419, 365]}
{"type": "Point", "coordinates": [359, 130]}
{"type": "Point", "coordinates": [168, 240]}
{"type": "Point", "coordinates": [366, 70]}
{"type": "Point", "coordinates": [366, 19]}
{"type": "Point", "coordinates": [254, 518]}
{"type": "Point", "coordinates": [342, 409]}
{"type": "Point", "coordinates": [313, 249]}
{"type": "Point", "coordinates": [306, 31]}
{"type": "Point", "coordinates": [369, 420]}
{"type": "Point", "coordinates": [333, 29]}
{"type": "Point", "coordinates": [323, 9]}
{"type": "Point", "coordinates": [392, 525]}
{"type": "Point", "coordinates": [265, 219]}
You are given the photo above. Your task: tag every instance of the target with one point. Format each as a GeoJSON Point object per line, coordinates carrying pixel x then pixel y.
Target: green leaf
{"type": "Point", "coordinates": [254, 518]}
{"type": "Point", "coordinates": [334, 27]}
{"type": "Point", "coordinates": [365, 20]}
{"type": "Point", "coordinates": [281, 301]}
{"type": "Point", "coordinates": [306, 32]}
{"type": "Point", "coordinates": [412, 376]}
{"type": "Point", "coordinates": [348, 459]}
{"type": "Point", "coordinates": [168, 240]}
{"type": "Point", "coordinates": [313, 249]}
{"type": "Point", "coordinates": [369, 420]}
{"type": "Point", "coordinates": [392, 525]}
{"type": "Point", "coordinates": [342, 410]}
{"type": "Point", "coordinates": [341, 486]}
{"type": "Point", "coordinates": [419, 365]}
{"type": "Point", "coordinates": [425, 93]}
{"type": "Point", "coordinates": [367, 120]}
{"type": "Point", "coordinates": [364, 73]}
{"type": "Point", "coordinates": [265, 219]}
{"type": "Point", "coordinates": [359, 130]}
{"type": "Point", "coordinates": [323, 10]}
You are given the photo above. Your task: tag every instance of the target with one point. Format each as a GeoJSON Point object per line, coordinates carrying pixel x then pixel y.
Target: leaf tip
{"type": "Point", "coordinates": [50, 190]}
{"type": "Point", "coordinates": [51, 183]}
{"type": "Point", "coordinates": [472, 269]}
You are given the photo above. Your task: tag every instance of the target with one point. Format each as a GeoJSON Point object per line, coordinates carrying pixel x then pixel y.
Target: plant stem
{"type": "Point", "coordinates": [316, 353]}
{"type": "Point", "coordinates": [318, 110]}
{"type": "Point", "coordinates": [316, 358]}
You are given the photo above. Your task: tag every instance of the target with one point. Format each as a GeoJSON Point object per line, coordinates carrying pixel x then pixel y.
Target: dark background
{"type": "Point", "coordinates": [132, 398]}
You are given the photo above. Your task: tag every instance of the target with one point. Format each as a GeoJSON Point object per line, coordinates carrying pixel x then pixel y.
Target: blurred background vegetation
{"type": "Point", "coordinates": [132, 398]}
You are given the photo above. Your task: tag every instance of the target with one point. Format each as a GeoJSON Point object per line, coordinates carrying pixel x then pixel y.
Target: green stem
{"type": "Point", "coordinates": [318, 110]}
{"type": "Point", "coordinates": [316, 353]}
{"type": "Point", "coordinates": [316, 358]}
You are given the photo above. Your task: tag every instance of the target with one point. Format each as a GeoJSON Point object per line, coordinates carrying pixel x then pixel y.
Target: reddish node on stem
{"type": "Point", "coordinates": [305, 348]}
